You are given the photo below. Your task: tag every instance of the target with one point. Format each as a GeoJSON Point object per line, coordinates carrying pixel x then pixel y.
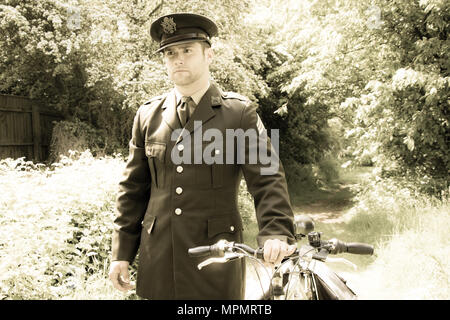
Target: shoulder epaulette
{"type": "Point", "coordinates": [234, 95]}
{"type": "Point", "coordinates": [160, 97]}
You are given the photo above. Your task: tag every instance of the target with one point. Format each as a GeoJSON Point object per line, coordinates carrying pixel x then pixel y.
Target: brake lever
{"type": "Point", "coordinates": [227, 257]}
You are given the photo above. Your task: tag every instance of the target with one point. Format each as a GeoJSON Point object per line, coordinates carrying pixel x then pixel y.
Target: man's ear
{"type": "Point", "coordinates": [209, 54]}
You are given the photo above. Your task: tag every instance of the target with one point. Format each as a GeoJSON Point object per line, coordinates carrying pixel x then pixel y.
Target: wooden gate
{"type": "Point", "coordinates": [25, 128]}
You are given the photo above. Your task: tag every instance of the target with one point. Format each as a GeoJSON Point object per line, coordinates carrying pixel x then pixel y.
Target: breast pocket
{"type": "Point", "coordinates": [156, 152]}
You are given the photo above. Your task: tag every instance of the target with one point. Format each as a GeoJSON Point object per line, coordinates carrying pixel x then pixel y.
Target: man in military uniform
{"type": "Point", "coordinates": [165, 208]}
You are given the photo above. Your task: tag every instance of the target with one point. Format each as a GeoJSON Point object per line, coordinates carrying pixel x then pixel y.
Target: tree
{"type": "Point", "coordinates": [94, 60]}
{"type": "Point", "coordinates": [405, 115]}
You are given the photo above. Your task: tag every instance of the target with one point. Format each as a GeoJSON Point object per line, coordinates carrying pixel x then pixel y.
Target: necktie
{"type": "Point", "coordinates": [185, 109]}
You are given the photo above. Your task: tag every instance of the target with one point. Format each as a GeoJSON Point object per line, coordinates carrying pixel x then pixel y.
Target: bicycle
{"type": "Point", "coordinates": [303, 275]}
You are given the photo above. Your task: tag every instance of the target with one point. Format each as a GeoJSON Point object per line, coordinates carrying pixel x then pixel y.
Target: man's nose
{"type": "Point", "coordinates": [179, 59]}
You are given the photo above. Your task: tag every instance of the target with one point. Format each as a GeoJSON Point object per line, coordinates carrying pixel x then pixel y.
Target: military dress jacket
{"type": "Point", "coordinates": [163, 208]}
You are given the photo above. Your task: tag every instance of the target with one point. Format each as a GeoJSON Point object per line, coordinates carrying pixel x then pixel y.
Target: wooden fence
{"type": "Point", "coordinates": [25, 128]}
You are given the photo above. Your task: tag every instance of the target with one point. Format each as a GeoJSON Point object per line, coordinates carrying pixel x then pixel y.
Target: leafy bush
{"type": "Point", "coordinates": [56, 225]}
{"type": "Point", "coordinates": [400, 119]}
{"type": "Point", "coordinates": [406, 123]}
{"type": "Point", "coordinates": [75, 136]}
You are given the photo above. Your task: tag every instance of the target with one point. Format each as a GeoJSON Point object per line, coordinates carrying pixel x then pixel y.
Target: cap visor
{"type": "Point", "coordinates": [178, 43]}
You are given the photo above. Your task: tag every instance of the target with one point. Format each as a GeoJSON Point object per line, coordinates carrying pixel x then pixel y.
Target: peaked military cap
{"type": "Point", "coordinates": [178, 28]}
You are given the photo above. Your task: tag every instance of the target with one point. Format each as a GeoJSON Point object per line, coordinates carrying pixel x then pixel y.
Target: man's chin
{"type": "Point", "coordinates": [181, 81]}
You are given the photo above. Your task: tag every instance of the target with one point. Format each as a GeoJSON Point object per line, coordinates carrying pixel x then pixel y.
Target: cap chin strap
{"type": "Point", "coordinates": [186, 36]}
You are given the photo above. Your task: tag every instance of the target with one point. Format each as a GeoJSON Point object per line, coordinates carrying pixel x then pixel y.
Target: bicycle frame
{"type": "Point", "coordinates": [300, 279]}
{"type": "Point", "coordinates": [316, 280]}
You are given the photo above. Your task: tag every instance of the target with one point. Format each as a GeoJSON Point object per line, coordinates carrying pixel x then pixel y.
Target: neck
{"type": "Point", "coordinates": [192, 88]}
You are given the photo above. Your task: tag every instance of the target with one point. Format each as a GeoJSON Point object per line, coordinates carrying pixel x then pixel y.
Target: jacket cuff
{"type": "Point", "coordinates": [262, 239]}
{"type": "Point", "coordinates": [124, 247]}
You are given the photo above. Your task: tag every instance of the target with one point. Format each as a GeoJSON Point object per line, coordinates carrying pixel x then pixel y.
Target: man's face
{"type": "Point", "coordinates": [187, 63]}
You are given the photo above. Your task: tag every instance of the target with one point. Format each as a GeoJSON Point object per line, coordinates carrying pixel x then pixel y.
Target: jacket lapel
{"type": "Point", "coordinates": [169, 114]}
{"type": "Point", "coordinates": [204, 110]}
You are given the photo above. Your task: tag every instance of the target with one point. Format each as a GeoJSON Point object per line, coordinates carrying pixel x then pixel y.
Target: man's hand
{"type": "Point", "coordinates": [275, 250]}
{"type": "Point", "coordinates": [118, 273]}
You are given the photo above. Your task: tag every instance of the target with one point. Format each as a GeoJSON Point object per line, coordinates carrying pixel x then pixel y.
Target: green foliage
{"type": "Point", "coordinates": [75, 136]}
{"type": "Point", "coordinates": [56, 227]}
{"type": "Point", "coordinates": [94, 60]}
{"type": "Point", "coordinates": [328, 169]}
{"type": "Point", "coordinates": [303, 134]}
{"type": "Point", "coordinates": [401, 122]}
{"type": "Point", "coordinates": [68, 136]}
{"type": "Point", "coordinates": [406, 121]}
{"type": "Point", "coordinates": [379, 67]}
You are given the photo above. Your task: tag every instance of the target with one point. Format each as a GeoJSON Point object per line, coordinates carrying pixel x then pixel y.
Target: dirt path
{"type": "Point", "coordinates": [331, 203]}
{"type": "Point", "coordinates": [328, 205]}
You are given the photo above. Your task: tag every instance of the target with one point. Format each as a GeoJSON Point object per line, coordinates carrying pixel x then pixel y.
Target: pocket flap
{"type": "Point", "coordinates": [228, 224]}
{"type": "Point", "coordinates": [155, 150]}
{"type": "Point", "coordinates": [148, 223]}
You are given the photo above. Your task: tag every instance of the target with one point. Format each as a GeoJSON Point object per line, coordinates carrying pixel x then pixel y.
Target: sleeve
{"type": "Point", "coordinates": [267, 184]}
{"type": "Point", "coordinates": [132, 198]}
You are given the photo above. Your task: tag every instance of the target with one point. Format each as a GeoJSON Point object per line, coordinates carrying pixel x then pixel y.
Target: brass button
{"type": "Point", "coordinates": [179, 169]}
{"type": "Point", "coordinates": [180, 147]}
{"type": "Point", "coordinates": [232, 228]}
{"type": "Point", "coordinates": [217, 151]}
{"type": "Point", "coordinates": [179, 190]}
{"type": "Point", "coordinates": [177, 211]}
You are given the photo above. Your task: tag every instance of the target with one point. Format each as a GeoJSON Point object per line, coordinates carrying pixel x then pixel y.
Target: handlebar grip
{"type": "Point", "coordinates": [352, 247]}
{"type": "Point", "coordinates": [359, 248]}
{"type": "Point", "coordinates": [197, 252]}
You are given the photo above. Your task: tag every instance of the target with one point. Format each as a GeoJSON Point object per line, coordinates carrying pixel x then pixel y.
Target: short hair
{"type": "Point", "coordinates": [205, 45]}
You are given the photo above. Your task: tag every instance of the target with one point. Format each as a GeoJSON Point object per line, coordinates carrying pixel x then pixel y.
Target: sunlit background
{"type": "Point", "coordinates": [358, 89]}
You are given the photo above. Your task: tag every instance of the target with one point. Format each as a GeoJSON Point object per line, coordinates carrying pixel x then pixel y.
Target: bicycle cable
{"type": "Point", "coordinates": [295, 265]}
{"type": "Point", "coordinates": [253, 259]}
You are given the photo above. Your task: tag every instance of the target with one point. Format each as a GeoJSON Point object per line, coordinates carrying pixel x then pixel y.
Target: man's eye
{"type": "Point", "coordinates": [188, 50]}
{"type": "Point", "coordinates": [169, 53]}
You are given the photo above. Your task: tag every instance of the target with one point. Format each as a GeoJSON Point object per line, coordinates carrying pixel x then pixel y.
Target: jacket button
{"type": "Point", "coordinates": [179, 169]}
{"type": "Point", "coordinates": [232, 228]}
{"type": "Point", "coordinates": [177, 211]}
{"type": "Point", "coordinates": [180, 147]}
{"type": "Point", "coordinates": [217, 151]}
{"type": "Point", "coordinates": [179, 190]}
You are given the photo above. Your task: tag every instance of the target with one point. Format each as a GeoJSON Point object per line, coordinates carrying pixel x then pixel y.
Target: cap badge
{"type": "Point", "coordinates": [168, 25]}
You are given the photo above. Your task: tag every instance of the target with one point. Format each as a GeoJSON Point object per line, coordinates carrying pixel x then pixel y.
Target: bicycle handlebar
{"type": "Point", "coordinates": [352, 247]}
{"type": "Point", "coordinates": [218, 250]}
{"type": "Point", "coordinates": [333, 246]}
{"type": "Point", "coordinates": [198, 252]}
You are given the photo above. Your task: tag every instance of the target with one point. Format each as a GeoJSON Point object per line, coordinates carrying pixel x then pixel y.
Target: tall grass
{"type": "Point", "coordinates": [410, 231]}
{"type": "Point", "coordinates": [55, 227]}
